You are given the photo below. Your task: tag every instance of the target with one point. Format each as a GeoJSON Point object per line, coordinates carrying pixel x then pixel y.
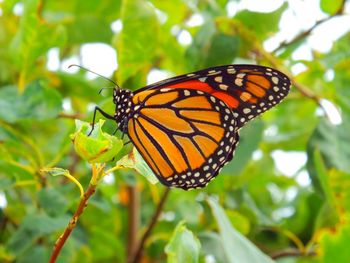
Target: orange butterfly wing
{"type": "Point", "coordinates": [185, 136]}
{"type": "Point", "coordinates": [248, 90]}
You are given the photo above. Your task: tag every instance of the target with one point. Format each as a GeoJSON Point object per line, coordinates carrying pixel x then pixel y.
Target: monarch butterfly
{"type": "Point", "coordinates": [186, 127]}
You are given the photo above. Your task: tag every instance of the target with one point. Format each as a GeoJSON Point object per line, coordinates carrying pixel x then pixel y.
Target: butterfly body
{"type": "Point", "coordinates": [186, 128]}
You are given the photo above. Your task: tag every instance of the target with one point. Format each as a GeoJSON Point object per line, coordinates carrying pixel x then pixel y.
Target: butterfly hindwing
{"type": "Point", "coordinates": [184, 135]}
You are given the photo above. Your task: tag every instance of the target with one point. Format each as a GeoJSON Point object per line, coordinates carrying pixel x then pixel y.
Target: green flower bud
{"type": "Point", "coordinates": [99, 147]}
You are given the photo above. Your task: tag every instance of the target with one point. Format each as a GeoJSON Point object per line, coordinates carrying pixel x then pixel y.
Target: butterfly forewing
{"type": "Point", "coordinates": [248, 90]}
{"type": "Point", "coordinates": [184, 135]}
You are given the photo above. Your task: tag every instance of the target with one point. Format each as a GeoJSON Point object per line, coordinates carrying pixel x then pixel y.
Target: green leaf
{"type": "Point", "coordinates": [223, 50]}
{"type": "Point", "coordinates": [334, 185]}
{"type": "Point", "coordinates": [98, 238]}
{"type": "Point", "coordinates": [323, 177]}
{"type": "Point", "coordinates": [333, 143]}
{"type": "Point", "coordinates": [183, 246]}
{"type": "Point", "coordinates": [137, 43]}
{"type": "Point", "coordinates": [135, 161]}
{"type": "Point", "coordinates": [211, 245]}
{"type": "Point", "coordinates": [5, 183]}
{"type": "Point", "coordinates": [211, 48]}
{"type": "Point", "coordinates": [334, 245]}
{"type": "Point", "coordinates": [188, 210]}
{"type": "Point", "coordinates": [90, 28]}
{"type": "Point", "coordinates": [107, 9]}
{"type": "Point", "coordinates": [38, 102]}
{"type": "Point", "coordinates": [338, 61]}
{"type": "Point", "coordinates": [250, 137]}
{"type": "Point", "coordinates": [263, 24]}
{"type": "Point", "coordinates": [196, 52]}
{"type": "Point", "coordinates": [338, 183]}
{"type": "Point", "coordinates": [238, 221]}
{"type": "Point", "coordinates": [237, 247]}
{"type": "Point", "coordinates": [328, 215]}
{"type": "Point", "coordinates": [52, 201]}
{"type": "Point", "coordinates": [331, 6]}
{"type": "Point", "coordinates": [168, 7]}
{"type": "Point", "coordinates": [5, 256]}
{"type": "Point", "coordinates": [33, 227]}
{"type": "Point", "coordinates": [85, 21]}
{"type": "Point", "coordinates": [30, 42]}
{"type": "Point", "coordinates": [99, 147]}
{"type": "Point", "coordinates": [15, 172]}
{"type": "Point", "coordinates": [38, 253]}
{"type": "Point", "coordinates": [56, 171]}
{"type": "Point", "coordinates": [339, 56]}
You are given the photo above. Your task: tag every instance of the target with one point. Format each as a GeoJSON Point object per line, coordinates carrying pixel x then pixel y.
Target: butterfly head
{"type": "Point", "coordinates": [122, 98]}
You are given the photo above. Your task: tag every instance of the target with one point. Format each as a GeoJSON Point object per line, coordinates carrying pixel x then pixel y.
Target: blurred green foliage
{"type": "Point", "coordinates": [253, 211]}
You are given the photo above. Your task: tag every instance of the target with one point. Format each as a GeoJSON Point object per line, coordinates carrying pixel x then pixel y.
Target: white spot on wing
{"type": "Point", "coordinates": [239, 82]}
{"type": "Point", "coordinates": [231, 71]}
{"type": "Point", "coordinates": [223, 86]}
{"type": "Point", "coordinates": [246, 110]}
{"type": "Point", "coordinates": [275, 80]}
{"type": "Point", "coordinates": [218, 79]}
{"type": "Point", "coordinates": [275, 88]}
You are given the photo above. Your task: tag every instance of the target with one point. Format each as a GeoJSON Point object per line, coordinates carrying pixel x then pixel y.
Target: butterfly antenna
{"type": "Point", "coordinates": [88, 70]}
{"type": "Point", "coordinates": [100, 92]}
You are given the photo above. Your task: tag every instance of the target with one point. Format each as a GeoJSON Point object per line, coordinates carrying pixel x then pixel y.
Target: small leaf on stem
{"type": "Point", "coordinates": [134, 160]}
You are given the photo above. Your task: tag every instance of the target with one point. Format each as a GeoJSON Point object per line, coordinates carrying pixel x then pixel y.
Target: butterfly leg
{"type": "Point", "coordinates": [127, 143]}
{"type": "Point", "coordinates": [105, 114]}
{"type": "Point", "coordinates": [115, 131]}
{"type": "Point", "coordinates": [124, 125]}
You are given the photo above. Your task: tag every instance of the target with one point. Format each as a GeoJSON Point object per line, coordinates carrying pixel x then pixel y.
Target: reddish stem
{"type": "Point", "coordinates": [72, 223]}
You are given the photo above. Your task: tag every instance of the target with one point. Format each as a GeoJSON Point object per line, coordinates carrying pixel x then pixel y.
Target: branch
{"type": "Point", "coordinates": [290, 252]}
{"type": "Point", "coordinates": [150, 227]}
{"type": "Point", "coordinates": [308, 93]}
{"type": "Point", "coordinates": [96, 175]}
{"type": "Point", "coordinates": [70, 116]}
{"type": "Point", "coordinates": [39, 11]}
{"type": "Point", "coordinates": [260, 54]}
{"type": "Point", "coordinates": [72, 223]}
{"type": "Point", "coordinates": [134, 208]}
{"type": "Point", "coordinates": [306, 33]}
{"type": "Point", "coordinates": [301, 88]}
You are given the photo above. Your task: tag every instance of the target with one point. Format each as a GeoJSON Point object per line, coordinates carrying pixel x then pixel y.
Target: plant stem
{"type": "Point", "coordinates": [70, 116]}
{"type": "Point", "coordinates": [139, 250]}
{"type": "Point", "coordinates": [97, 174]}
{"type": "Point", "coordinates": [72, 223]}
{"type": "Point", "coordinates": [306, 33]}
{"type": "Point", "coordinates": [133, 226]}
{"type": "Point", "coordinates": [291, 252]}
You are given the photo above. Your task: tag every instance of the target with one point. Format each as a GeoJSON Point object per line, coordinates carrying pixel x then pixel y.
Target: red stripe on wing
{"type": "Point", "coordinates": [205, 87]}
{"type": "Point", "coordinates": [193, 84]}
